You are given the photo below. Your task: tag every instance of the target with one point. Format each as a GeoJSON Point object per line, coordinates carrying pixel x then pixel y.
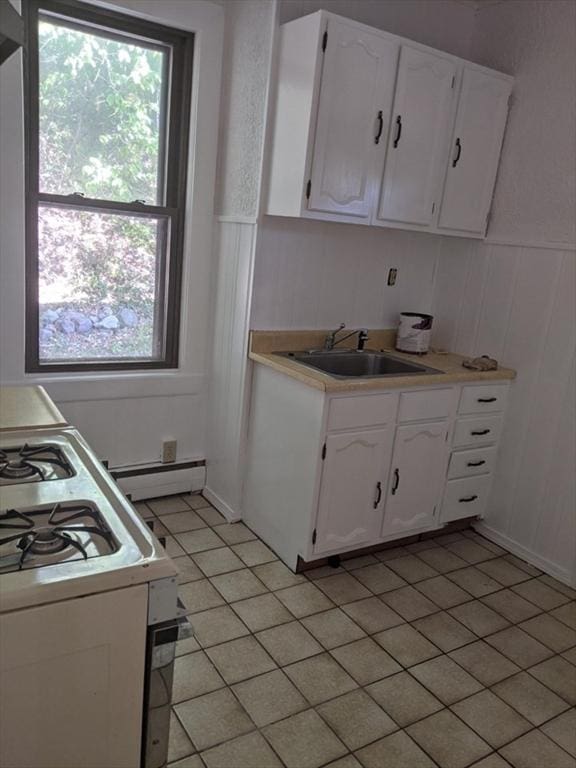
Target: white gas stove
{"type": "Point", "coordinates": [88, 612]}
{"type": "Point", "coordinates": [65, 528]}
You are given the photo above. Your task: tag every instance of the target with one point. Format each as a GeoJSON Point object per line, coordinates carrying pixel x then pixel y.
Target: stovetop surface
{"type": "Point", "coordinates": [38, 537]}
{"type": "Point", "coordinates": [33, 463]}
{"type": "Point", "coordinates": [129, 555]}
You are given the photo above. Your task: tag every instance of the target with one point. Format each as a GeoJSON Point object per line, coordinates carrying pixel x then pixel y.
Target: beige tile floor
{"type": "Point", "coordinates": [448, 652]}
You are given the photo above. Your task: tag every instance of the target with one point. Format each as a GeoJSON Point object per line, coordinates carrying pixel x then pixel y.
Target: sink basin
{"type": "Point", "coordinates": [352, 364]}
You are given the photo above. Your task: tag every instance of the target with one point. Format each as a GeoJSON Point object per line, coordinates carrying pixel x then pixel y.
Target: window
{"type": "Point", "coordinates": [108, 104]}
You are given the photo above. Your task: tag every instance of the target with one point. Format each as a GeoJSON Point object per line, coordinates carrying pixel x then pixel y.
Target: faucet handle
{"type": "Point", "coordinates": [362, 338]}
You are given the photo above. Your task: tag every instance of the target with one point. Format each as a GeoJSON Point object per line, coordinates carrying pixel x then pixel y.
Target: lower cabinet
{"type": "Point", "coordinates": [352, 489]}
{"type": "Point", "coordinates": [416, 477]}
{"type": "Point", "coordinates": [328, 474]}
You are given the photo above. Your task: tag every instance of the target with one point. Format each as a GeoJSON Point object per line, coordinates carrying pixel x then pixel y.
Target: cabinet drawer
{"type": "Point", "coordinates": [480, 431]}
{"type": "Point", "coordinates": [362, 411]}
{"type": "Point", "coordinates": [478, 461]}
{"type": "Point", "coordinates": [466, 497]}
{"type": "Point", "coordinates": [488, 398]}
{"type": "Point", "coordinates": [428, 404]}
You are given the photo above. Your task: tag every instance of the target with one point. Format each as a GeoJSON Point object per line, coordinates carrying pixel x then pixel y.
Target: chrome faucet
{"type": "Point", "coordinates": [330, 341]}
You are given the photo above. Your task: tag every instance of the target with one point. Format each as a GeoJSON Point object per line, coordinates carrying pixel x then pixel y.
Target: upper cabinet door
{"type": "Point", "coordinates": [353, 116]}
{"type": "Point", "coordinates": [417, 141]}
{"type": "Point", "coordinates": [472, 166]}
{"type": "Point", "coordinates": [417, 475]}
{"type": "Point", "coordinates": [352, 489]}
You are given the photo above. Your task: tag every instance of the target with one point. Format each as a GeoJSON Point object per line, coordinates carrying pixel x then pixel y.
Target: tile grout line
{"type": "Point", "coordinates": [403, 668]}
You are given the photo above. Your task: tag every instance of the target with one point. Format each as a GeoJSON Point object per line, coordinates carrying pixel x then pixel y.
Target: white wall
{"type": "Point", "coordinates": [312, 274]}
{"type": "Point", "coordinates": [514, 297]}
{"type": "Point", "coordinates": [534, 40]}
{"type": "Point", "coordinates": [126, 417]}
{"type": "Point", "coordinates": [247, 49]}
{"type": "Point", "coordinates": [444, 24]}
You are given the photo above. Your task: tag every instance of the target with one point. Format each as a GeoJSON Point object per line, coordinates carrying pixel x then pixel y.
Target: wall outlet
{"type": "Point", "coordinates": [169, 448]}
{"type": "Point", "coordinates": [392, 275]}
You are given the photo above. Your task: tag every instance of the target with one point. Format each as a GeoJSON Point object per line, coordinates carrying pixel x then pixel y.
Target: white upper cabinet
{"type": "Point", "coordinates": [416, 146]}
{"type": "Point", "coordinates": [353, 116]}
{"type": "Point", "coordinates": [353, 489]}
{"type": "Point", "coordinates": [363, 130]}
{"type": "Point", "coordinates": [476, 144]}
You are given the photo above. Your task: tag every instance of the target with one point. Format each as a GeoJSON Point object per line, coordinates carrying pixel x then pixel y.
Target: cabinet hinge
{"type": "Point", "coordinates": [323, 451]}
{"type": "Point", "coordinates": [324, 40]}
{"type": "Point", "coordinates": [314, 536]}
{"type": "Point", "coordinates": [308, 189]}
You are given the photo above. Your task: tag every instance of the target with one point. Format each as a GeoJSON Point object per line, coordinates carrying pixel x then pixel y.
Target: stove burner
{"type": "Point", "coordinates": [27, 463]}
{"type": "Point", "coordinates": [46, 541]}
{"type": "Point", "coordinates": [18, 468]}
{"type": "Point", "coordinates": [56, 536]}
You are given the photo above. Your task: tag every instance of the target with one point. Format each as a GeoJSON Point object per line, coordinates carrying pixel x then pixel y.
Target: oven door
{"type": "Point", "coordinates": [160, 655]}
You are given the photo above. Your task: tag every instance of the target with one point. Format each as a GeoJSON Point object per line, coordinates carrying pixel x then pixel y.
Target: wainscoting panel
{"type": "Point", "coordinates": [315, 274]}
{"type": "Point", "coordinates": [230, 377]}
{"type": "Point", "coordinates": [518, 304]}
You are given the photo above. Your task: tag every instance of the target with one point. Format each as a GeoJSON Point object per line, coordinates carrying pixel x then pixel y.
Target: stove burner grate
{"type": "Point", "coordinates": [54, 537]}
{"type": "Point", "coordinates": [24, 465]}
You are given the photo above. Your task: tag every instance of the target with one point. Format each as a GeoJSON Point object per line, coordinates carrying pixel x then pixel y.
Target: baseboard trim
{"type": "Point", "coordinates": [149, 483]}
{"type": "Point", "coordinates": [552, 569]}
{"type": "Point", "coordinates": [154, 469]}
{"type": "Point", "coordinates": [231, 515]}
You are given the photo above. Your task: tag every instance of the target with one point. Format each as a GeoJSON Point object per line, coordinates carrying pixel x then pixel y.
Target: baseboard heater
{"type": "Point", "coordinates": [148, 482]}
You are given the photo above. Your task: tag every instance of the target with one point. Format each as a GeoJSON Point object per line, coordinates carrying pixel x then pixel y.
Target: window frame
{"type": "Point", "coordinates": [178, 98]}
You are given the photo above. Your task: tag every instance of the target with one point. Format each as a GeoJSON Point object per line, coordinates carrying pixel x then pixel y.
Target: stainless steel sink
{"type": "Point", "coordinates": [345, 364]}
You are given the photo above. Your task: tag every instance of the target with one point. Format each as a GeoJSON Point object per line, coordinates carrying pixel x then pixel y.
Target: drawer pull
{"type": "Point", "coordinates": [486, 399]}
{"type": "Point", "coordinates": [378, 494]}
{"type": "Point", "coordinates": [467, 499]}
{"type": "Point", "coordinates": [476, 463]}
{"type": "Point", "coordinates": [396, 481]}
{"type": "Point", "coordinates": [480, 432]}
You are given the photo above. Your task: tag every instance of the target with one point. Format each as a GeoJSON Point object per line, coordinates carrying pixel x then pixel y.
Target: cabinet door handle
{"type": "Point", "coordinates": [398, 130]}
{"type": "Point", "coordinates": [396, 482]}
{"type": "Point", "coordinates": [458, 147]}
{"type": "Point", "coordinates": [486, 399]}
{"type": "Point", "coordinates": [480, 432]}
{"type": "Point", "coordinates": [467, 499]}
{"type": "Point", "coordinates": [380, 127]}
{"type": "Point", "coordinates": [475, 463]}
{"type": "Point", "coordinates": [378, 494]}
